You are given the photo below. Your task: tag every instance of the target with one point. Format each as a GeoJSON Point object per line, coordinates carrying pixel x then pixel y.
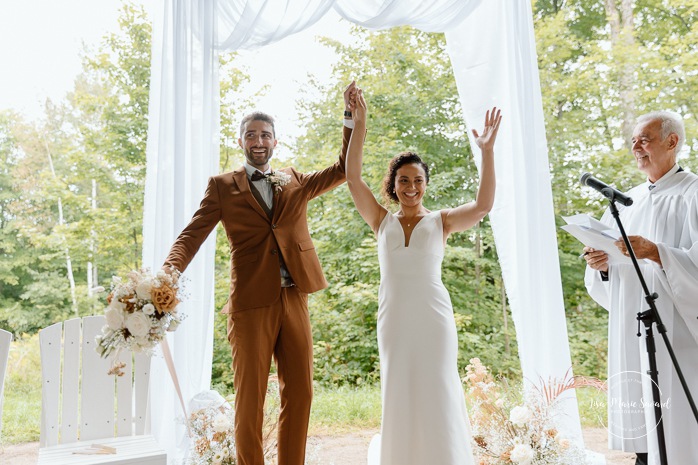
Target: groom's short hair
{"type": "Point", "coordinates": [257, 116]}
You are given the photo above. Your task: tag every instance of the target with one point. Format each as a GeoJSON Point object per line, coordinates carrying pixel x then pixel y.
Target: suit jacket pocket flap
{"type": "Point", "coordinates": [306, 245]}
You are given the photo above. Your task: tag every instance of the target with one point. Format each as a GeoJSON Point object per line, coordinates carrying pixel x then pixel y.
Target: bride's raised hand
{"type": "Point", "coordinates": [360, 109]}
{"type": "Point", "coordinates": [486, 140]}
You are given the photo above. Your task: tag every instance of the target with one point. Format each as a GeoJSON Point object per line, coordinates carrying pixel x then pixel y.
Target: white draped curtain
{"type": "Point", "coordinates": [492, 49]}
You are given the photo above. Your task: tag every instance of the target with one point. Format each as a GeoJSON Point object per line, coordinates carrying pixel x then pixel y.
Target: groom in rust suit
{"type": "Point", "coordinates": [274, 267]}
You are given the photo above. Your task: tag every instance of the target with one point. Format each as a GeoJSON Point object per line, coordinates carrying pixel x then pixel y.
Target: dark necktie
{"type": "Point", "coordinates": [258, 176]}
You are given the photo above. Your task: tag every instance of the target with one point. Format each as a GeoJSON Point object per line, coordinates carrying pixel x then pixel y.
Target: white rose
{"type": "Point", "coordinates": [114, 316]}
{"type": "Point", "coordinates": [148, 309]}
{"type": "Point", "coordinates": [143, 289]}
{"type": "Point", "coordinates": [522, 454]}
{"type": "Point", "coordinates": [217, 458]}
{"type": "Point", "coordinates": [221, 423]}
{"type": "Point", "coordinates": [138, 324]}
{"type": "Point", "coordinates": [520, 415]}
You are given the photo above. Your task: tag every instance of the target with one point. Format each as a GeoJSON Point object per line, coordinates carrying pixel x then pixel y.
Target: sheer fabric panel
{"type": "Point", "coordinates": [500, 68]}
{"type": "Point", "coordinates": [248, 24]}
{"type": "Point", "coordinates": [182, 153]}
{"type": "Point", "coordinates": [427, 15]}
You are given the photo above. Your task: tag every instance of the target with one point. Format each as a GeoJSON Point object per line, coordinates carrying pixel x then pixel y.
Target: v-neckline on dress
{"type": "Point", "coordinates": [405, 243]}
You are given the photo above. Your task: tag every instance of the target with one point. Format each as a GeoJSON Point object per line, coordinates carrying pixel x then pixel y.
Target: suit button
{"type": "Point", "coordinates": [273, 226]}
{"type": "Point", "coordinates": [274, 252]}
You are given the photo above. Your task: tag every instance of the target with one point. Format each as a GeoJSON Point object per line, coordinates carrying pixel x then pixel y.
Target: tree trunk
{"type": "Point", "coordinates": [622, 26]}
{"type": "Point", "coordinates": [61, 221]}
{"type": "Point", "coordinates": [92, 280]}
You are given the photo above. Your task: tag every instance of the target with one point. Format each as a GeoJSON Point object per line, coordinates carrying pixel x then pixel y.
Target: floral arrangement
{"type": "Point", "coordinates": [278, 179]}
{"type": "Point", "coordinates": [140, 310]}
{"type": "Point", "coordinates": [508, 431]}
{"type": "Point", "coordinates": [211, 428]}
{"type": "Point", "coordinates": [212, 436]}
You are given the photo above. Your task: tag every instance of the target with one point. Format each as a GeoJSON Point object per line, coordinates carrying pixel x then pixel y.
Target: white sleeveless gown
{"type": "Point", "coordinates": [425, 420]}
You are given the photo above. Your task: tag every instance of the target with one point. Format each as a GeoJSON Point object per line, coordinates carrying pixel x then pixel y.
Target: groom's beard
{"type": "Point", "coordinates": [258, 160]}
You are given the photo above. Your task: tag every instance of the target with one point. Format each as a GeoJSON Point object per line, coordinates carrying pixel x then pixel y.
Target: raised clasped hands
{"type": "Point", "coordinates": [486, 140]}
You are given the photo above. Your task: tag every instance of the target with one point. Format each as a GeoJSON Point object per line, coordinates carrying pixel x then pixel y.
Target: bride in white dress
{"type": "Point", "coordinates": [424, 419]}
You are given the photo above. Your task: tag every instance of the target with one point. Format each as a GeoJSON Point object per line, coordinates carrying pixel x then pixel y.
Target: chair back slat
{"type": "Point", "coordinates": [141, 386]}
{"type": "Point", "coordinates": [71, 379]}
{"type": "Point", "coordinates": [124, 397]}
{"type": "Point", "coordinates": [50, 346]}
{"type": "Point", "coordinates": [5, 340]}
{"type": "Point", "coordinates": [97, 393]}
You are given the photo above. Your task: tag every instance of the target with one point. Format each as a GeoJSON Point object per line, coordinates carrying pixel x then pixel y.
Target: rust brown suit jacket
{"type": "Point", "coordinates": [255, 239]}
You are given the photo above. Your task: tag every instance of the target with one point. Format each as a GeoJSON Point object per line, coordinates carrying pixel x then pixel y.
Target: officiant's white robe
{"type": "Point", "coordinates": [667, 214]}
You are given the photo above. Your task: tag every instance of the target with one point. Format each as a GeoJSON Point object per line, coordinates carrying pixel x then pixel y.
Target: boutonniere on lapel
{"type": "Point", "coordinates": [278, 179]}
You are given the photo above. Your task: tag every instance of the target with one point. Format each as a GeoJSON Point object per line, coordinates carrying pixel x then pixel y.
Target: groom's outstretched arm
{"type": "Point", "coordinates": [195, 233]}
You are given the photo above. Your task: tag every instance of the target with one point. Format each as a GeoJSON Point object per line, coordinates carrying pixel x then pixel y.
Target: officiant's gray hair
{"type": "Point", "coordinates": [257, 116]}
{"type": "Point", "coordinates": [672, 123]}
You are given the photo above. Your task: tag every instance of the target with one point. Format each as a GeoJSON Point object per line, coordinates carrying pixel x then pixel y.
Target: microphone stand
{"type": "Point", "coordinates": [647, 318]}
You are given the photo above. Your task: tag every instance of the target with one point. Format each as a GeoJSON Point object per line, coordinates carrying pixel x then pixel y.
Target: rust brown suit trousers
{"type": "Point", "coordinates": [264, 319]}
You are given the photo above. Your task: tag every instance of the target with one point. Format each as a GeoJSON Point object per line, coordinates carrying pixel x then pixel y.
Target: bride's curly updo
{"type": "Point", "coordinates": [398, 161]}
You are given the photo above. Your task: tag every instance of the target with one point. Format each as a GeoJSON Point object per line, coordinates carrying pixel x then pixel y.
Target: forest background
{"type": "Point", "coordinates": [72, 182]}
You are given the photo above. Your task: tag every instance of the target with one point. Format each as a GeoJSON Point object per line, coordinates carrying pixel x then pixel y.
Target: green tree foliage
{"type": "Point", "coordinates": [76, 190]}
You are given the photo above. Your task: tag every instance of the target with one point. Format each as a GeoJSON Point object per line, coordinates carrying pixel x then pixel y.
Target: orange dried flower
{"type": "Point", "coordinates": [164, 298]}
{"type": "Point", "coordinates": [117, 369]}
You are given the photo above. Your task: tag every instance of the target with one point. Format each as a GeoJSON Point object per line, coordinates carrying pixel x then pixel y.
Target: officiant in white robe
{"type": "Point", "coordinates": [662, 225]}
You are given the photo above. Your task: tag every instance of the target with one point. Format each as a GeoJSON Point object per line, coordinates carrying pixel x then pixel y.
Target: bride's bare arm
{"type": "Point", "coordinates": [370, 210]}
{"type": "Point", "coordinates": [468, 215]}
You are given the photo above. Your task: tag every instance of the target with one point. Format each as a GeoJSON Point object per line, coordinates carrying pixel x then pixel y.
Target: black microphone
{"type": "Point", "coordinates": [609, 192]}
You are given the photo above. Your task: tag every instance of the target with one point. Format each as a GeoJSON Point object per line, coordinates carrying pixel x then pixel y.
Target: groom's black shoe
{"type": "Point", "coordinates": [641, 459]}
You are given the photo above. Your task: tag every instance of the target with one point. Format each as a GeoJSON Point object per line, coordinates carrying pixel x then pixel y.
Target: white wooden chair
{"type": "Point", "coordinates": [5, 339]}
{"type": "Point", "coordinates": [82, 406]}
